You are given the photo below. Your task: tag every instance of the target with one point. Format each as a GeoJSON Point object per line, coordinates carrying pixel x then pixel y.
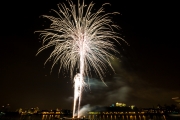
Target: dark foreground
{"type": "Point", "coordinates": [58, 117]}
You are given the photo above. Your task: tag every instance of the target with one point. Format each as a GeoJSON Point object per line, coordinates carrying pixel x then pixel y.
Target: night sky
{"type": "Point", "coordinates": [147, 74]}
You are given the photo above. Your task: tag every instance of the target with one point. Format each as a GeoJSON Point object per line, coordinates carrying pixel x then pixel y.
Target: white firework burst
{"type": "Point", "coordinates": [82, 39]}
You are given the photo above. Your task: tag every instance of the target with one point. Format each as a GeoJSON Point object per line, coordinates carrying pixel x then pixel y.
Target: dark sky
{"type": "Point", "coordinates": [147, 75]}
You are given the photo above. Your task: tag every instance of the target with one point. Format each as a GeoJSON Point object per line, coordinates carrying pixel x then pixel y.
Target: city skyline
{"type": "Point", "coordinates": [7, 107]}
{"type": "Point", "coordinates": [147, 75]}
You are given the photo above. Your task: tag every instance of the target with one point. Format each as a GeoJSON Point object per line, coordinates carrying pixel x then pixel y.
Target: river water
{"type": "Point", "coordinates": [56, 117]}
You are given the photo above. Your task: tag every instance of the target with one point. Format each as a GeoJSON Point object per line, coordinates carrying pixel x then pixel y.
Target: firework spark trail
{"type": "Point", "coordinates": [77, 85]}
{"type": "Point", "coordinates": [82, 39]}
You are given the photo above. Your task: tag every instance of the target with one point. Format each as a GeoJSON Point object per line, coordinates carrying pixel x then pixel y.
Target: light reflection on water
{"type": "Point", "coordinates": [50, 117]}
{"type": "Point", "coordinates": [104, 117]}
{"type": "Point", "coordinates": [127, 117]}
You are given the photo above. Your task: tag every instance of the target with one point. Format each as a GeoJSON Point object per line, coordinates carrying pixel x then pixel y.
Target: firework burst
{"type": "Point", "coordinates": [82, 40]}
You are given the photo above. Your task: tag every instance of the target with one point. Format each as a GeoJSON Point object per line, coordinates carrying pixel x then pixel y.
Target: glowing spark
{"type": "Point", "coordinates": [78, 86]}
{"type": "Point", "coordinates": [82, 40]}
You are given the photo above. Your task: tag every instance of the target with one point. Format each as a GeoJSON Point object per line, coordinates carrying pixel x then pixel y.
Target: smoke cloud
{"type": "Point", "coordinates": [117, 90]}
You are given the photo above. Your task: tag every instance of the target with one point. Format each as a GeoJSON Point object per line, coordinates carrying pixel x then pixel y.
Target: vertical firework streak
{"type": "Point", "coordinates": [77, 84]}
{"type": "Point", "coordinates": [78, 87]}
{"type": "Point", "coordinates": [81, 39]}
